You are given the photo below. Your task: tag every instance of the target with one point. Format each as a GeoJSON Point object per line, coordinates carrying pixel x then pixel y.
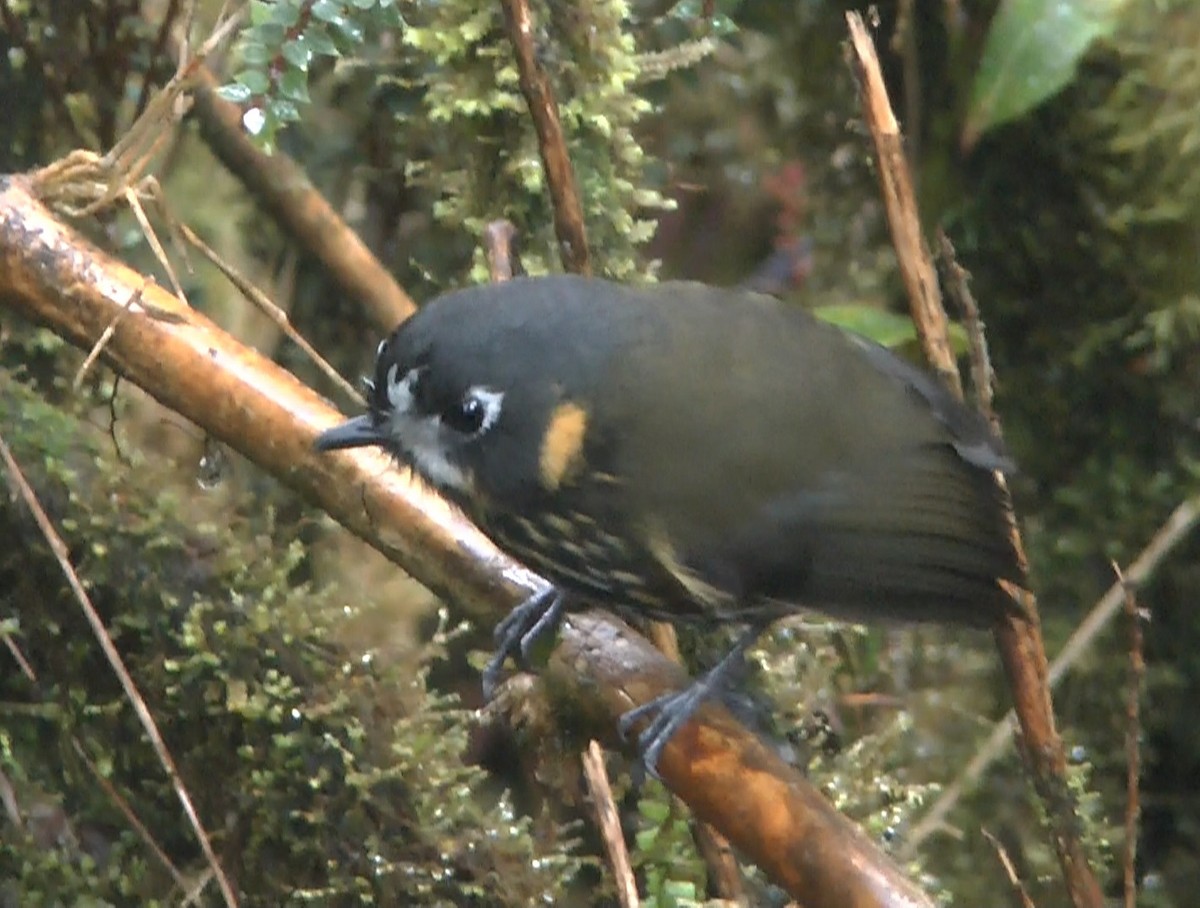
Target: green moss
{"type": "Point", "coordinates": [323, 778]}
{"type": "Point", "coordinates": [484, 162]}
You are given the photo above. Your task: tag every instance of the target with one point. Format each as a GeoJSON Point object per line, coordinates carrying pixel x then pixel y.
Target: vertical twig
{"type": "Point", "coordinates": [955, 278]}
{"type": "Point", "coordinates": [1133, 736]}
{"type": "Point", "coordinates": [1176, 529]}
{"type": "Point", "coordinates": [560, 175]}
{"type": "Point", "coordinates": [1018, 636]}
{"type": "Point", "coordinates": [900, 201]}
{"type": "Point", "coordinates": [609, 822]}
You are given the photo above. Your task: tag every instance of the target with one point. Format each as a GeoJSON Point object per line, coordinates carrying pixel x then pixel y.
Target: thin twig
{"type": "Point", "coordinates": [1007, 864]}
{"type": "Point", "coordinates": [21, 487]}
{"type": "Point", "coordinates": [1169, 535]}
{"type": "Point", "coordinates": [956, 281]}
{"type": "Point", "coordinates": [118, 801]}
{"type": "Point", "coordinates": [105, 336]}
{"type": "Point", "coordinates": [157, 52]}
{"type": "Point", "coordinates": [609, 822]}
{"type": "Point", "coordinates": [900, 202]}
{"type": "Point", "coordinates": [109, 789]}
{"type": "Point", "coordinates": [560, 175]}
{"type": "Point", "coordinates": [271, 311]}
{"type": "Point", "coordinates": [84, 182]}
{"type": "Point", "coordinates": [1018, 635]}
{"type": "Point", "coordinates": [1133, 736]}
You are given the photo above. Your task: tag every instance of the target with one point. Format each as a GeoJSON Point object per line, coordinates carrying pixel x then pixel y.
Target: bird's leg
{"type": "Point", "coordinates": [516, 634]}
{"type": "Point", "coordinates": [673, 710]}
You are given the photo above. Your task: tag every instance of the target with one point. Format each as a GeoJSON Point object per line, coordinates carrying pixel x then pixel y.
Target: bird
{"type": "Point", "coordinates": [693, 454]}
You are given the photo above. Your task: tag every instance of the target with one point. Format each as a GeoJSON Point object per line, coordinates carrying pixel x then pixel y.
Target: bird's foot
{"type": "Point", "coordinates": [672, 711]}
{"type": "Point", "coordinates": [520, 629]}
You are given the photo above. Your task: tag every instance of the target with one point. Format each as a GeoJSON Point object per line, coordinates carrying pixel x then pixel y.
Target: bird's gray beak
{"type": "Point", "coordinates": [353, 433]}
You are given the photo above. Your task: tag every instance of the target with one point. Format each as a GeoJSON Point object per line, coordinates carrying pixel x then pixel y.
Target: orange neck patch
{"type": "Point", "coordinates": [562, 446]}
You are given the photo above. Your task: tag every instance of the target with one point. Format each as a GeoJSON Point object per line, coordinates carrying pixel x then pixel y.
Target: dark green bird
{"type": "Point", "coordinates": [689, 453]}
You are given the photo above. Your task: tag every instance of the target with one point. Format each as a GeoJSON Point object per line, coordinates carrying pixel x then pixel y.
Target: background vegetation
{"type": "Point", "coordinates": [320, 707]}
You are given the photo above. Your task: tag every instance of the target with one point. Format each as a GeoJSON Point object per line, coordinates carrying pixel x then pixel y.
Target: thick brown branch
{"type": "Point", "coordinates": [51, 275]}
{"type": "Point", "coordinates": [560, 175]}
{"type": "Point", "coordinates": [726, 775]}
{"type": "Point", "coordinates": [1019, 637]}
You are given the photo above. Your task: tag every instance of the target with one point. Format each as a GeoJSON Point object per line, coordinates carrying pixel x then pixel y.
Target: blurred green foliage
{"type": "Point", "coordinates": [326, 774]}
{"type": "Point", "coordinates": [323, 777]}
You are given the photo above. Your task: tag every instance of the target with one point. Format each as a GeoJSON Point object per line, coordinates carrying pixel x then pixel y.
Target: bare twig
{"type": "Point", "coordinates": [84, 182]}
{"type": "Point", "coordinates": [609, 822]}
{"type": "Point", "coordinates": [912, 253]}
{"type": "Point", "coordinates": [1018, 636]}
{"type": "Point", "coordinates": [22, 489]}
{"type": "Point", "coordinates": [1133, 735]}
{"type": "Point", "coordinates": [499, 245]}
{"type": "Point", "coordinates": [268, 308]}
{"type": "Point", "coordinates": [1007, 864]}
{"type": "Point", "coordinates": [560, 175]}
{"type": "Point", "coordinates": [956, 282]}
{"type": "Point", "coordinates": [97, 347]}
{"type": "Point", "coordinates": [1169, 535]}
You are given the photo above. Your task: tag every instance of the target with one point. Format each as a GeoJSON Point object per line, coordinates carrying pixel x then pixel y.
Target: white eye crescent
{"type": "Point", "coordinates": [476, 412]}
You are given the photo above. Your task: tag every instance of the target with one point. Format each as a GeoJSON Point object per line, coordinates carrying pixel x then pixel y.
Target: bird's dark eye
{"type": "Point", "coordinates": [475, 413]}
{"type": "Point", "coordinates": [468, 416]}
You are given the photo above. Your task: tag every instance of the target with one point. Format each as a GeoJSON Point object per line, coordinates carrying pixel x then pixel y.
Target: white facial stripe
{"type": "Point", "coordinates": [399, 393]}
{"type": "Point", "coordinates": [423, 440]}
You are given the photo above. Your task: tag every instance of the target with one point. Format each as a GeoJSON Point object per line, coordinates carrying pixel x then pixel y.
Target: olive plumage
{"type": "Point", "coordinates": [685, 452]}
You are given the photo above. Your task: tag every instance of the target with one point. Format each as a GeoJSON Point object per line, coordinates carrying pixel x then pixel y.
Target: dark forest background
{"type": "Point", "coordinates": [320, 705]}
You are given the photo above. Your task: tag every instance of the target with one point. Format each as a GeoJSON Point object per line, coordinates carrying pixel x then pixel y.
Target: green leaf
{"type": "Point", "coordinates": [272, 34]}
{"type": "Point", "coordinates": [886, 328]}
{"type": "Point", "coordinates": [254, 53]}
{"type": "Point", "coordinates": [283, 111]}
{"type": "Point", "coordinates": [881, 326]}
{"type": "Point", "coordinates": [389, 15]}
{"type": "Point", "coordinates": [298, 54]}
{"type": "Point", "coordinates": [285, 13]}
{"type": "Point", "coordinates": [260, 11]}
{"type": "Point", "coordinates": [293, 85]}
{"type": "Point", "coordinates": [235, 92]}
{"type": "Point", "coordinates": [318, 40]}
{"type": "Point", "coordinates": [1032, 49]}
{"type": "Point", "coordinates": [350, 29]}
{"type": "Point", "coordinates": [328, 11]}
{"type": "Point", "coordinates": [255, 80]}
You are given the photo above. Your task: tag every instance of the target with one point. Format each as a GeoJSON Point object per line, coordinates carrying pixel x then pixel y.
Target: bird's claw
{"type": "Point", "coordinates": [672, 713]}
{"type": "Point", "coordinates": [519, 630]}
